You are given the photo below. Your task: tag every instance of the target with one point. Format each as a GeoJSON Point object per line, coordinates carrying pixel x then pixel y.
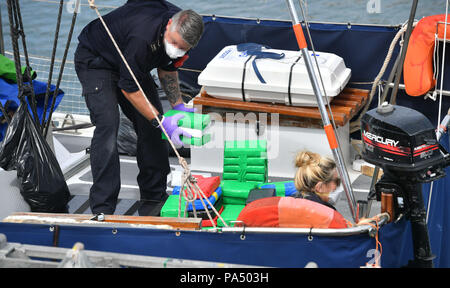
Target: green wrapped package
{"type": "Point", "coordinates": [195, 141]}
{"type": "Point", "coordinates": [245, 161]}
{"type": "Point", "coordinates": [235, 192]}
{"type": "Point", "coordinates": [194, 124]}
{"type": "Point", "coordinates": [170, 208]}
{"type": "Point", "coordinates": [283, 188]}
{"type": "Point", "coordinates": [8, 69]}
{"type": "Point", "coordinates": [229, 213]}
{"type": "Point", "coordinates": [191, 120]}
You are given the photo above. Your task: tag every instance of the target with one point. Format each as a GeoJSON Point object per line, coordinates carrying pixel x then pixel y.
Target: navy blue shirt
{"type": "Point", "coordinates": [138, 28]}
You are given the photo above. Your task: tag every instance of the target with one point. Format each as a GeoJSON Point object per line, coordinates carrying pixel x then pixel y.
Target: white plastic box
{"type": "Point", "coordinates": [283, 142]}
{"type": "Point", "coordinates": [222, 77]}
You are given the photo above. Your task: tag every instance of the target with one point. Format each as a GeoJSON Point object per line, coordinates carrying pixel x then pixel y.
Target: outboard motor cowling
{"type": "Point", "coordinates": [402, 139]}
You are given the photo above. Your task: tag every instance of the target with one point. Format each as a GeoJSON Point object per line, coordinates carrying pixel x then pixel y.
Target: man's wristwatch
{"type": "Point", "coordinates": [154, 122]}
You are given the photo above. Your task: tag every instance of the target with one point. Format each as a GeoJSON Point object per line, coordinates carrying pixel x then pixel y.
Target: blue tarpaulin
{"type": "Point", "coordinates": [9, 92]}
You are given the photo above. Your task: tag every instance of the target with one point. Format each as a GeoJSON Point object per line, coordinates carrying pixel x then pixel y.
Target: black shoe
{"type": "Point", "coordinates": [151, 208]}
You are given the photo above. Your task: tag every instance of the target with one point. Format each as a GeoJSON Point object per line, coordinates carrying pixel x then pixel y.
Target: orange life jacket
{"type": "Point", "coordinates": [290, 212]}
{"type": "Point", "coordinates": [418, 67]}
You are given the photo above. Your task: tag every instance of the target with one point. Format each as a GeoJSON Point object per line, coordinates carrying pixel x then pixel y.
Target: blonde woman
{"type": "Point", "coordinates": [316, 178]}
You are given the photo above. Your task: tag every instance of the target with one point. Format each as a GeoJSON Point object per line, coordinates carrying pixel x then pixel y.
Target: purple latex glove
{"type": "Point", "coordinates": [170, 124]}
{"type": "Point", "coordinates": [182, 107]}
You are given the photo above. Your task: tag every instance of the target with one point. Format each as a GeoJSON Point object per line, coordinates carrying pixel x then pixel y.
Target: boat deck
{"type": "Point", "coordinates": [128, 204]}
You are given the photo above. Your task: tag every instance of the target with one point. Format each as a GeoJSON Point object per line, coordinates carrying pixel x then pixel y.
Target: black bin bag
{"type": "Point", "coordinates": [40, 177]}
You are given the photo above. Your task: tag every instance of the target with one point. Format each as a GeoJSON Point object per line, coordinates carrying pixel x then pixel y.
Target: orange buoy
{"type": "Point", "coordinates": [289, 212]}
{"type": "Point", "coordinates": [418, 67]}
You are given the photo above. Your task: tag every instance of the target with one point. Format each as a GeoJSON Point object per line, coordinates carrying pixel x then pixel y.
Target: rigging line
{"type": "Point", "coordinates": [31, 96]}
{"type": "Point", "coordinates": [443, 61]}
{"type": "Point", "coordinates": [61, 69]}
{"type": "Point", "coordinates": [321, 80]}
{"type": "Point", "coordinates": [317, 65]}
{"type": "Point", "coordinates": [430, 194]}
{"type": "Point", "coordinates": [52, 62]}
{"type": "Point", "coordinates": [409, 30]}
{"type": "Point", "coordinates": [16, 30]}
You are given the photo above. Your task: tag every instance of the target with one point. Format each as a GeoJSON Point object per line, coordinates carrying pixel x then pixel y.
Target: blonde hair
{"type": "Point", "coordinates": [312, 169]}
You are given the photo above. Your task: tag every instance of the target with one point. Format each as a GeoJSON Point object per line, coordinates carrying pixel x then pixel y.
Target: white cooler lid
{"type": "Point", "coordinates": [226, 70]}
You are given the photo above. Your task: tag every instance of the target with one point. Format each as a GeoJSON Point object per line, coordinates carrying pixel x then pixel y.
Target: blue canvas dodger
{"type": "Point", "coordinates": [9, 92]}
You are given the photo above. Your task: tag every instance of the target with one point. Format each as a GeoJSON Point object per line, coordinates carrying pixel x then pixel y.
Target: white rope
{"type": "Point", "coordinates": [188, 179]}
{"type": "Point", "coordinates": [430, 194]}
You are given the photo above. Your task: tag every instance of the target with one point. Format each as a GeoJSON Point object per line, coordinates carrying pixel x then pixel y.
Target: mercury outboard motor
{"type": "Point", "coordinates": [403, 143]}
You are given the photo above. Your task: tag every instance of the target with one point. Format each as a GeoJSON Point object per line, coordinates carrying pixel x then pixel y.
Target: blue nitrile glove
{"type": "Point", "coordinates": [174, 132]}
{"type": "Point", "coordinates": [182, 107]}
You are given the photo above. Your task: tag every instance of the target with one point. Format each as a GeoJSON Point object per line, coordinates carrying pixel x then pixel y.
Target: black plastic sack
{"type": "Point", "coordinates": [41, 180]}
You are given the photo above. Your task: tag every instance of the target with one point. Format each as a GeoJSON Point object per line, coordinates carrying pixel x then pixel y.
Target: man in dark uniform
{"type": "Point", "coordinates": [151, 34]}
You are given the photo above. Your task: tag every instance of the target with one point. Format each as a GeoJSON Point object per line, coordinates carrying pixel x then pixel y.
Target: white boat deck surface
{"type": "Point", "coordinates": [80, 183]}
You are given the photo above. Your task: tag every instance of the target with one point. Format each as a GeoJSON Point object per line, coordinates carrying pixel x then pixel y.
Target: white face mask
{"type": "Point", "coordinates": [334, 196]}
{"type": "Point", "coordinates": [172, 51]}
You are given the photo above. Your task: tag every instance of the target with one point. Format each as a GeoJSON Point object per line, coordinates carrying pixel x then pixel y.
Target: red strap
{"type": "Point", "coordinates": [180, 61]}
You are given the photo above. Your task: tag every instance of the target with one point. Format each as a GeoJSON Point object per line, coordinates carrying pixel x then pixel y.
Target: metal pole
{"type": "Point", "coordinates": [404, 49]}
{"type": "Point", "coordinates": [323, 112]}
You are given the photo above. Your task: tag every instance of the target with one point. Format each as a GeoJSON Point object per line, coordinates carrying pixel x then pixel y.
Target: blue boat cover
{"type": "Point", "coordinates": [363, 48]}
{"type": "Point", "coordinates": [262, 249]}
{"type": "Point", "coordinates": [9, 92]}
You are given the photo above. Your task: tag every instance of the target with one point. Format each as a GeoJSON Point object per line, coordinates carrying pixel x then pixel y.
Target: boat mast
{"type": "Point", "coordinates": [328, 127]}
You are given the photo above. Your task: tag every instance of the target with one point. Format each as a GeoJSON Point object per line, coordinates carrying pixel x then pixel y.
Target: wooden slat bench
{"type": "Point", "coordinates": [344, 106]}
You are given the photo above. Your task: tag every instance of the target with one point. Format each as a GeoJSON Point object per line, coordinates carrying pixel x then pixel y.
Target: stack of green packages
{"type": "Point", "coordinates": [230, 213]}
{"type": "Point", "coordinates": [170, 208]}
{"type": "Point", "coordinates": [235, 195]}
{"type": "Point", "coordinates": [245, 161]}
{"type": "Point", "coordinates": [193, 123]}
{"type": "Point", "coordinates": [244, 168]}
{"type": "Point", "coordinates": [235, 192]}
